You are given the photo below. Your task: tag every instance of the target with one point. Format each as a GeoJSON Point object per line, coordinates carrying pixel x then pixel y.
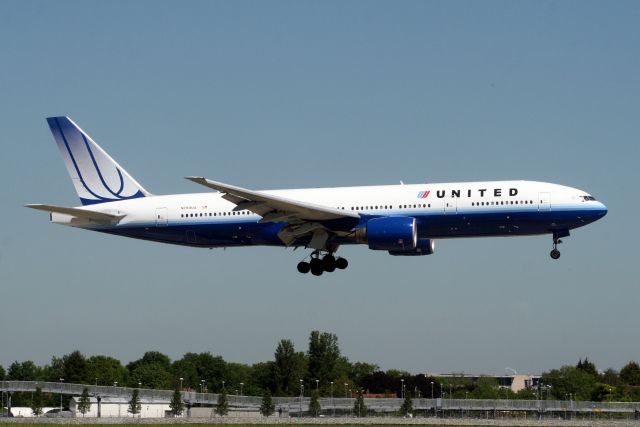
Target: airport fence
{"type": "Point", "coordinates": [298, 406]}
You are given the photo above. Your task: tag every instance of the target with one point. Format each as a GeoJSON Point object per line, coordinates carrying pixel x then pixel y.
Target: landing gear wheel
{"type": "Point", "coordinates": [329, 263]}
{"type": "Point", "coordinates": [555, 253]}
{"type": "Point", "coordinates": [317, 267]}
{"type": "Point", "coordinates": [341, 263]}
{"type": "Point", "coordinates": [304, 267]}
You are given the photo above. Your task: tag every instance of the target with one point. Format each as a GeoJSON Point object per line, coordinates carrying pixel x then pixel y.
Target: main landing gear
{"type": "Point", "coordinates": [318, 265]}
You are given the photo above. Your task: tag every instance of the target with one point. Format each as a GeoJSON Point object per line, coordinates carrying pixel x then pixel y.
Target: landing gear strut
{"type": "Point", "coordinates": [555, 253]}
{"type": "Point", "coordinates": [328, 263]}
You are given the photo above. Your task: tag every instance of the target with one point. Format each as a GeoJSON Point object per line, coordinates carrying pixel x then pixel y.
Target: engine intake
{"type": "Point", "coordinates": [424, 247]}
{"type": "Point", "coordinates": [391, 233]}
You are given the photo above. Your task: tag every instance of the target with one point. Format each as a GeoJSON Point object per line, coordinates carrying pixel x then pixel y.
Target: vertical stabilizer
{"type": "Point", "coordinates": [95, 175]}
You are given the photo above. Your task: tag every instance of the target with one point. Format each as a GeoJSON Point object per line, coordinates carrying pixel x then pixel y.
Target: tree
{"type": "Point", "coordinates": [36, 404]}
{"type": "Point", "coordinates": [84, 403]}
{"type": "Point", "coordinates": [289, 367]}
{"type": "Point", "coordinates": [152, 375]}
{"type": "Point", "coordinates": [267, 407]}
{"type": "Point", "coordinates": [486, 388]}
{"type": "Point", "coordinates": [2, 373]}
{"type": "Point", "coordinates": [24, 371]}
{"type": "Point", "coordinates": [587, 366]}
{"type": "Point", "coordinates": [314, 405]}
{"type": "Point", "coordinates": [134, 404]}
{"type": "Point", "coordinates": [324, 355]}
{"type": "Point", "coordinates": [222, 408]}
{"type": "Point", "coordinates": [361, 370]}
{"type": "Point", "coordinates": [75, 368]}
{"type": "Point", "coordinates": [106, 370]}
{"type": "Point", "coordinates": [569, 379]}
{"type": "Point", "coordinates": [359, 409]}
{"type": "Point", "coordinates": [195, 367]}
{"type": "Point", "coordinates": [610, 376]}
{"type": "Point", "coordinates": [407, 406]}
{"type": "Point", "coordinates": [151, 357]}
{"type": "Point", "coordinates": [262, 376]}
{"type": "Point", "coordinates": [630, 373]}
{"type": "Point", "coordinates": [176, 405]}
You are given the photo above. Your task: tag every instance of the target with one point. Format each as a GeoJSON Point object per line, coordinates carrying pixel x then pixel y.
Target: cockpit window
{"type": "Point", "coordinates": [588, 198]}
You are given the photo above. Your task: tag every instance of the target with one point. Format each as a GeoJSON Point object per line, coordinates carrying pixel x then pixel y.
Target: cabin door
{"type": "Point", "coordinates": [450, 205]}
{"type": "Point", "coordinates": [161, 217]}
{"type": "Point", "coordinates": [544, 202]}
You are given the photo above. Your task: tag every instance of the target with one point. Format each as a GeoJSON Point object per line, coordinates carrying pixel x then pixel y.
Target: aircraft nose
{"type": "Point", "coordinates": [601, 210]}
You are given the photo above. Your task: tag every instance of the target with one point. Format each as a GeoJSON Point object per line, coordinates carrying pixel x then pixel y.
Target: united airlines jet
{"type": "Point", "coordinates": [403, 220]}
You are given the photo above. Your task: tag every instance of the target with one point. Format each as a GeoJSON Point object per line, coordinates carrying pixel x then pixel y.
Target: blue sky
{"type": "Point", "coordinates": [310, 94]}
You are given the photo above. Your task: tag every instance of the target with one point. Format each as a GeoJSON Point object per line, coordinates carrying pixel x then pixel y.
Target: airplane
{"type": "Point", "coordinates": [403, 220]}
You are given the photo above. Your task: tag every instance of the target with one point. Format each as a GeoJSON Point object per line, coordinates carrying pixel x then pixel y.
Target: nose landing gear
{"type": "Point", "coordinates": [317, 265]}
{"type": "Point", "coordinates": [555, 253]}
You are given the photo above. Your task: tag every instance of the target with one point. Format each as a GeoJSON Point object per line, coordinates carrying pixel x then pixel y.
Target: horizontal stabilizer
{"type": "Point", "coordinates": [77, 212]}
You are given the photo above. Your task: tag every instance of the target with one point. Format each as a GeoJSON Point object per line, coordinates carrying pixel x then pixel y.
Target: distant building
{"type": "Point", "coordinates": [111, 407]}
{"type": "Point", "coordinates": [25, 412]}
{"type": "Point", "coordinates": [515, 382]}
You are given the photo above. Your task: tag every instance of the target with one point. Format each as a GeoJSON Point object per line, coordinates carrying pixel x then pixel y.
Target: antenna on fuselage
{"type": "Point", "coordinates": [401, 182]}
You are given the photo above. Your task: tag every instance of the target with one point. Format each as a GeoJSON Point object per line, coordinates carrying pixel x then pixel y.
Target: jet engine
{"type": "Point", "coordinates": [391, 233]}
{"type": "Point", "coordinates": [424, 247]}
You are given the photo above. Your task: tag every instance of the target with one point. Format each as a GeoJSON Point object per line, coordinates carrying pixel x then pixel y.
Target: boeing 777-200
{"type": "Point", "coordinates": [400, 219]}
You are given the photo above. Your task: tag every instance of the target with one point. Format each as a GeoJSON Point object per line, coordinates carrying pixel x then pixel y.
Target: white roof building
{"type": "Point", "coordinates": [111, 407]}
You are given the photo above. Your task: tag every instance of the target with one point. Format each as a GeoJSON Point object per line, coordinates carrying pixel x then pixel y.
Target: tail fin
{"type": "Point", "coordinates": [96, 176]}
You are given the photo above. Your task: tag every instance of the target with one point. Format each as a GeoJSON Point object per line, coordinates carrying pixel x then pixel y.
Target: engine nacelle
{"type": "Point", "coordinates": [391, 233]}
{"type": "Point", "coordinates": [424, 247]}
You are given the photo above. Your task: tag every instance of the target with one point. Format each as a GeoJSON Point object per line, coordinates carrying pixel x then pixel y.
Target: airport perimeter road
{"type": "Point", "coordinates": [389, 421]}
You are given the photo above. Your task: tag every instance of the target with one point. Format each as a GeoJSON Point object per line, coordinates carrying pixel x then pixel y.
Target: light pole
{"type": "Point", "coordinates": [61, 380]}
{"type": "Point", "coordinates": [402, 388]}
{"type": "Point", "coordinates": [181, 379]}
{"type": "Point", "coordinates": [318, 386]}
{"type": "Point", "coordinates": [201, 386]}
{"type": "Point", "coordinates": [345, 390]}
{"type": "Point", "coordinates": [435, 411]}
{"type": "Point", "coordinates": [301, 394]}
{"type": "Point", "coordinates": [223, 385]}
{"type": "Point", "coordinates": [466, 401]}
{"type": "Point", "coordinates": [333, 406]}
{"type": "Point", "coordinates": [139, 385]}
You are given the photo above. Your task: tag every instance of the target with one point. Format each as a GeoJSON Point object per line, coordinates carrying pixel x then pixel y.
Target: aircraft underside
{"type": "Point", "coordinates": [252, 233]}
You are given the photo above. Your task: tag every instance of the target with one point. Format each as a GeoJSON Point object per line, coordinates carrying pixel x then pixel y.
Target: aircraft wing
{"type": "Point", "coordinates": [80, 213]}
{"type": "Point", "coordinates": [273, 208]}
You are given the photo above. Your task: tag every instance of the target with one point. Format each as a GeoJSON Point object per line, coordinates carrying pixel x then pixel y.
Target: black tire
{"type": "Point", "coordinates": [304, 267]}
{"type": "Point", "coordinates": [342, 263]}
{"type": "Point", "coordinates": [317, 270]}
{"type": "Point", "coordinates": [555, 254]}
{"type": "Point", "coordinates": [329, 263]}
{"type": "Point", "coordinates": [317, 267]}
